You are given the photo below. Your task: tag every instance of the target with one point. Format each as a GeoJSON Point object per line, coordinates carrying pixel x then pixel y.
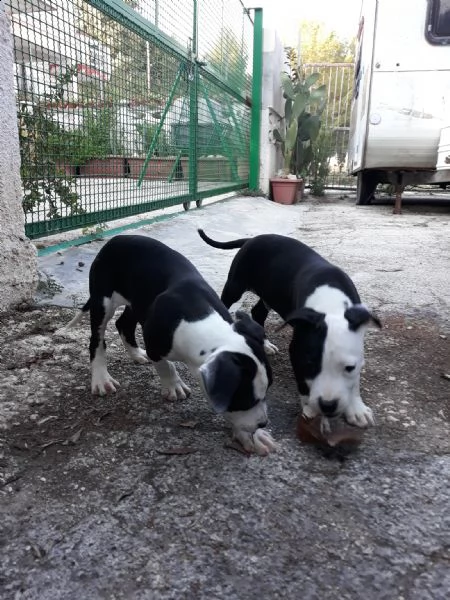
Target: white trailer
{"type": "Point", "coordinates": [400, 119]}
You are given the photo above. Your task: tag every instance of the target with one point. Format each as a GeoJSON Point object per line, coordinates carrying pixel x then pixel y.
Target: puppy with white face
{"type": "Point", "coordinates": [182, 319]}
{"type": "Point", "coordinates": [233, 372]}
{"type": "Point", "coordinates": [327, 355]}
{"type": "Point", "coordinates": [322, 305]}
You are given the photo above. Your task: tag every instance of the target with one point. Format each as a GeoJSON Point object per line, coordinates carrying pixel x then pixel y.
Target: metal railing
{"type": "Point", "coordinates": [338, 77]}
{"type": "Point", "coordinates": [130, 106]}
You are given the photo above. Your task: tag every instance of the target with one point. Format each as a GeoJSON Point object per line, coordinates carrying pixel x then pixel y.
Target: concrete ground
{"type": "Point", "coordinates": [132, 497]}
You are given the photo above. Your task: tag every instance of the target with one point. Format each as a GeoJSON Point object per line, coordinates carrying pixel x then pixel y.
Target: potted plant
{"type": "Point", "coordinates": [95, 153]}
{"type": "Point", "coordinates": [303, 108]}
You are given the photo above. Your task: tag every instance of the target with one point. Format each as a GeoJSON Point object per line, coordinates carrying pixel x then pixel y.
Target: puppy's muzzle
{"type": "Point", "coordinates": [328, 407]}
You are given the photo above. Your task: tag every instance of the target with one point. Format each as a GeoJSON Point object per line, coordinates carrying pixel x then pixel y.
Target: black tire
{"type": "Point", "coordinates": [365, 189]}
{"type": "Point", "coordinates": [199, 203]}
{"type": "Point", "coordinates": [186, 205]}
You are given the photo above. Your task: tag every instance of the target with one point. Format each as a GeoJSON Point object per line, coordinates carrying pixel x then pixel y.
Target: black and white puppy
{"type": "Point", "coordinates": [182, 319]}
{"type": "Point", "coordinates": [323, 306]}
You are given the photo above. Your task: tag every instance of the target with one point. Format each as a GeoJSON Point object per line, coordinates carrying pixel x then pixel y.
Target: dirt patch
{"type": "Point", "coordinates": [131, 496]}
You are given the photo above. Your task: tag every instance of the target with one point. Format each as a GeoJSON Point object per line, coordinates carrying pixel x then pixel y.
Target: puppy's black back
{"type": "Point", "coordinates": [140, 268]}
{"type": "Point", "coordinates": [279, 268]}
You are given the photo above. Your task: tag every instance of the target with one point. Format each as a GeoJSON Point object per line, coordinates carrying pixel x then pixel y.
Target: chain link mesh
{"type": "Point", "coordinates": [128, 106]}
{"type": "Point", "coordinates": [333, 139]}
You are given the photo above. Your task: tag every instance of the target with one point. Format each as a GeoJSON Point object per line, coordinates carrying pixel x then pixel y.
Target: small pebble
{"type": "Point", "coordinates": [391, 419]}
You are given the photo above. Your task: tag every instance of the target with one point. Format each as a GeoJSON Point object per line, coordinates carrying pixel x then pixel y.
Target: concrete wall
{"type": "Point", "coordinates": [18, 268]}
{"type": "Point", "coordinates": [271, 159]}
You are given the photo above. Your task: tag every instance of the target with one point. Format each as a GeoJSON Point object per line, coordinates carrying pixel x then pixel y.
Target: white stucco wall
{"type": "Point", "coordinates": [18, 268]}
{"type": "Point", "coordinates": [271, 159]}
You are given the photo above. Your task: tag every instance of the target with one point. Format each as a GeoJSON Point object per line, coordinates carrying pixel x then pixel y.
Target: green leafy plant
{"type": "Point", "coordinates": [304, 105]}
{"type": "Point", "coordinates": [147, 132]}
{"type": "Point", "coordinates": [322, 150]}
{"type": "Point", "coordinates": [41, 141]}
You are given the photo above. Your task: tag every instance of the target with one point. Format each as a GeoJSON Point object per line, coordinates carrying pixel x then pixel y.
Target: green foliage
{"type": "Point", "coordinates": [94, 136]}
{"type": "Point", "coordinates": [320, 162]}
{"type": "Point", "coordinates": [91, 140]}
{"type": "Point", "coordinates": [229, 60]}
{"type": "Point", "coordinates": [140, 70]}
{"type": "Point", "coordinates": [304, 105]}
{"type": "Point", "coordinates": [319, 45]}
{"type": "Point", "coordinates": [41, 140]}
{"type": "Point", "coordinates": [148, 131]}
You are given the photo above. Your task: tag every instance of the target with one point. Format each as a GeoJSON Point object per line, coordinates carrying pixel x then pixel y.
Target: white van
{"type": "Point", "coordinates": [400, 119]}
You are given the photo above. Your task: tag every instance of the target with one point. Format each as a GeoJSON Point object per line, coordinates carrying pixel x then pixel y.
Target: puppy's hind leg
{"type": "Point", "coordinates": [259, 314]}
{"type": "Point", "coordinates": [126, 326]}
{"type": "Point", "coordinates": [101, 312]}
{"type": "Point", "coordinates": [231, 293]}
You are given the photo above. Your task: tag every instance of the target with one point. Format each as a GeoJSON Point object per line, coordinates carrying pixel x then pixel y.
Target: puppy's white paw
{"type": "Point", "coordinates": [359, 414]}
{"type": "Point", "coordinates": [102, 383]}
{"type": "Point", "coordinates": [260, 442]}
{"type": "Point", "coordinates": [138, 355]}
{"type": "Point", "coordinates": [309, 412]}
{"type": "Point", "coordinates": [270, 348]}
{"type": "Point", "coordinates": [175, 390]}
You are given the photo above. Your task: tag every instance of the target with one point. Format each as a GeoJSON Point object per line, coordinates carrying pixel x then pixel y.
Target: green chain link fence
{"type": "Point", "coordinates": [131, 106]}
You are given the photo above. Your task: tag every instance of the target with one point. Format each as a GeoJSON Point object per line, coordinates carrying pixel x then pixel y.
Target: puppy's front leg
{"type": "Point", "coordinates": [357, 413]}
{"type": "Point", "coordinates": [270, 348]}
{"type": "Point", "coordinates": [101, 381]}
{"type": "Point", "coordinates": [173, 388]}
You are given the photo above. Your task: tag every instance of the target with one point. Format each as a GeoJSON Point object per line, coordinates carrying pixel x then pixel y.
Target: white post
{"type": "Point", "coordinates": [18, 266]}
{"type": "Point", "coordinates": [272, 108]}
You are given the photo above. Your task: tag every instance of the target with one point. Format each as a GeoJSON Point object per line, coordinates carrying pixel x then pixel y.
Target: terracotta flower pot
{"type": "Point", "coordinates": [284, 191]}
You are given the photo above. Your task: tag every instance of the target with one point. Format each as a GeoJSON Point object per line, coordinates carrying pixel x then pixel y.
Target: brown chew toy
{"type": "Point", "coordinates": [308, 431]}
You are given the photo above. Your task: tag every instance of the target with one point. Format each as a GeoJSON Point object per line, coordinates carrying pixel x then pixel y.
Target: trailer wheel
{"type": "Point", "coordinates": [186, 205]}
{"type": "Point", "coordinates": [365, 188]}
{"type": "Point", "coordinates": [199, 202]}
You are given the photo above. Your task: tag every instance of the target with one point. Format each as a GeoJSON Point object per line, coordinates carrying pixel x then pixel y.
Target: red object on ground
{"type": "Point", "coordinates": [308, 431]}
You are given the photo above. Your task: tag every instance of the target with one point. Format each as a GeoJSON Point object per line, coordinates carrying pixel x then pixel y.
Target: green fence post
{"type": "Point", "coordinates": [256, 99]}
{"type": "Point", "coordinates": [193, 109]}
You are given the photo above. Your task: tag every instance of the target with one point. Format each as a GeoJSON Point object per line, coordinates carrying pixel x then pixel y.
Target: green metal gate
{"type": "Point", "coordinates": [332, 144]}
{"type": "Point", "coordinates": [130, 106]}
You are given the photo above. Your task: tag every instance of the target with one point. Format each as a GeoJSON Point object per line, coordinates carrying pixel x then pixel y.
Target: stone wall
{"type": "Point", "coordinates": [18, 266]}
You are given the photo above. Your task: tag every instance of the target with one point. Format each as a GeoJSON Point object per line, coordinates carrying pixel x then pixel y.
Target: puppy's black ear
{"type": "Point", "coordinates": [359, 315]}
{"type": "Point", "coordinates": [305, 316]}
{"type": "Point", "coordinates": [220, 377]}
{"type": "Point", "coordinates": [246, 326]}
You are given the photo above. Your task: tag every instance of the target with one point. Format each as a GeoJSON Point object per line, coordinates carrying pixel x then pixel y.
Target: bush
{"type": "Point", "coordinates": [147, 132]}
{"type": "Point", "coordinates": [320, 163]}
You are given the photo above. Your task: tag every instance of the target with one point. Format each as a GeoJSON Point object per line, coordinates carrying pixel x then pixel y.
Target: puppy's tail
{"type": "Point", "coordinates": [222, 245]}
{"type": "Point", "coordinates": [77, 318]}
